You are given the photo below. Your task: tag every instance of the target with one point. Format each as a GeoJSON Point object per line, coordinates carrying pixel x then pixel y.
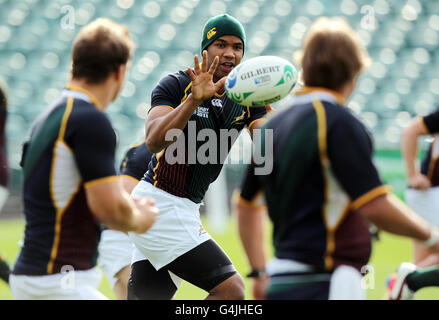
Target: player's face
{"type": "Point", "coordinates": [230, 50]}
{"type": "Point", "coordinates": [120, 79]}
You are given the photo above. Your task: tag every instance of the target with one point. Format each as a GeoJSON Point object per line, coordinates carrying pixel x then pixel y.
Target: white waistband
{"type": "Point", "coordinates": [279, 266]}
{"type": "Point", "coordinates": [148, 186]}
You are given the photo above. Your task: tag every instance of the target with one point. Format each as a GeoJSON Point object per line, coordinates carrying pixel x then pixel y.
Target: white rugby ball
{"type": "Point", "coordinates": [260, 81]}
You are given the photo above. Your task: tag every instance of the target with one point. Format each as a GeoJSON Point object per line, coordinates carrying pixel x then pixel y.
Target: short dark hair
{"type": "Point", "coordinates": [99, 49]}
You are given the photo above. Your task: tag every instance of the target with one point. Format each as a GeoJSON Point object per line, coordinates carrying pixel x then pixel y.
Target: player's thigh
{"type": "Point", "coordinates": [147, 283]}
{"type": "Point", "coordinates": [205, 266]}
{"type": "Point", "coordinates": [121, 286]}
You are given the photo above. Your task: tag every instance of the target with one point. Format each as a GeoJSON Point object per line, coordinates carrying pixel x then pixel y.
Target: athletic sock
{"type": "Point", "coordinates": [4, 270]}
{"type": "Point", "coordinates": [422, 278]}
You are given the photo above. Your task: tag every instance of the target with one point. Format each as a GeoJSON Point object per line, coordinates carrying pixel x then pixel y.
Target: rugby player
{"type": "Point", "coordinates": [4, 170]}
{"type": "Point", "coordinates": [324, 187]}
{"type": "Point", "coordinates": [178, 246]}
{"type": "Point", "coordinates": [70, 181]}
{"type": "Point", "coordinates": [422, 195]}
{"type": "Point", "coordinates": [423, 192]}
{"type": "Point", "coordinates": [115, 247]}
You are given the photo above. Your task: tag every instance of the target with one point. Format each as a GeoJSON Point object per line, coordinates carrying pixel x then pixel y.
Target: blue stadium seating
{"type": "Point", "coordinates": [35, 46]}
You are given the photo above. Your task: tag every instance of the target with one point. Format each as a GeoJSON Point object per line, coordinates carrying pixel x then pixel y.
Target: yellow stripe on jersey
{"type": "Point", "coordinates": [255, 203]}
{"type": "Point", "coordinates": [253, 122]}
{"type": "Point", "coordinates": [87, 93]}
{"type": "Point", "coordinates": [157, 165]}
{"type": "Point", "coordinates": [369, 196]}
{"type": "Point", "coordinates": [307, 90]}
{"type": "Point", "coordinates": [59, 143]}
{"type": "Point", "coordinates": [60, 138]}
{"type": "Point", "coordinates": [185, 92]}
{"type": "Point", "coordinates": [321, 136]}
{"type": "Point", "coordinates": [220, 95]}
{"type": "Point", "coordinates": [136, 144]}
{"type": "Point", "coordinates": [163, 105]}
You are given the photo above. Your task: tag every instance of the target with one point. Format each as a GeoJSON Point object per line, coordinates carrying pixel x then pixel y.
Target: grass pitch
{"type": "Point", "coordinates": [388, 252]}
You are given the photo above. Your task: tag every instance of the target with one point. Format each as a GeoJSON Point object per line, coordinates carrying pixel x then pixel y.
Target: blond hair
{"type": "Point", "coordinates": [99, 49]}
{"type": "Point", "coordinates": [332, 54]}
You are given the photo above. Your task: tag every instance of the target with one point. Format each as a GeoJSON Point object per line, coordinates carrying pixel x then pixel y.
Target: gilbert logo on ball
{"type": "Point", "coordinates": [261, 80]}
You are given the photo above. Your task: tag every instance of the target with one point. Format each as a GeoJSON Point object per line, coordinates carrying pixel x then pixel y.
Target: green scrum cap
{"type": "Point", "coordinates": [221, 25]}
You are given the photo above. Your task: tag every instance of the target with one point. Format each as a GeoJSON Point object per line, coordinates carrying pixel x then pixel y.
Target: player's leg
{"type": "Point", "coordinates": [424, 257]}
{"type": "Point", "coordinates": [115, 251]}
{"type": "Point", "coordinates": [425, 277]}
{"type": "Point", "coordinates": [410, 279]}
{"type": "Point", "coordinates": [121, 286]}
{"type": "Point", "coordinates": [146, 283]}
{"type": "Point", "coordinates": [4, 270]}
{"type": "Point", "coordinates": [208, 267]}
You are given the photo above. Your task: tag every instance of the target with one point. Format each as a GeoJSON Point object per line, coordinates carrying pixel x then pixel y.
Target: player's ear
{"type": "Point", "coordinates": [120, 72]}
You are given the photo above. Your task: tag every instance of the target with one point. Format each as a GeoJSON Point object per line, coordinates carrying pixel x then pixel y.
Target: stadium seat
{"type": "Point", "coordinates": [404, 48]}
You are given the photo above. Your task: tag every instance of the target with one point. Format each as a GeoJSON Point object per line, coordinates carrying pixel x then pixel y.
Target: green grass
{"type": "Point", "coordinates": [387, 254]}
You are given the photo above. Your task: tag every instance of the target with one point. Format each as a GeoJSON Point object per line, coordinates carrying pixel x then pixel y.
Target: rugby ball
{"type": "Point", "coordinates": [260, 81]}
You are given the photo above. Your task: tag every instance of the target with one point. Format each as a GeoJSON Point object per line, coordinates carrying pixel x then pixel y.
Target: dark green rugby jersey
{"type": "Point", "coordinates": [322, 172]}
{"type": "Point", "coordinates": [72, 146]}
{"type": "Point", "coordinates": [136, 160]}
{"type": "Point", "coordinates": [190, 176]}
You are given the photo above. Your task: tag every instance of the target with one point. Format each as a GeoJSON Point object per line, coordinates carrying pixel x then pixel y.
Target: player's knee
{"type": "Point", "coordinates": [231, 289]}
{"type": "Point", "coordinates": [145, 283]}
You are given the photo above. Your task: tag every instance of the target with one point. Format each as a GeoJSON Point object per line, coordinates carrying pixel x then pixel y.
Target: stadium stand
{"type": "Point", "coordinates": [402, 38]}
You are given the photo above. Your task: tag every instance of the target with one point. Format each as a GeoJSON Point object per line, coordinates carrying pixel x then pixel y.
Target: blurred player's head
{"type": "Point", "coordinates": [101, 52]}
{"type": "Point", "coordinates": [3, 96]}
{"type": "Point", "coordinates": [332, 56]}
{"type": "Point", "coordinates": [223, 36]}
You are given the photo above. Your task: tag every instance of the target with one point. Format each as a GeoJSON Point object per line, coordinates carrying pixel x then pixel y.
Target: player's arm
{"type": "Point", "coordinates": [128, 183]}
{"type": "Point", "coordinates": [161, 119]}
{"type": "Point", "coordinates": [390, 214]}
{"type": "Point", "coordinates": [116, 210]}
{"type": "Point", "coordinates": [409, 147]}
{"type": "Point", "coordinates": [350, 155]}
{"type": "Point", "coordinates": [94, 148]}
{"type": "Point", "coordinates": [251, 214]}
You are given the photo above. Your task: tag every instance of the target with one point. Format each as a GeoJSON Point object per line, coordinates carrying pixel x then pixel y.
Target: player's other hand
{"type": "Point", "coordinates": [260, 286]}
{"type": "Point", "coordinates": [269, 108]}
{"type": "Point", "coordinates": [203, 86]}
{"type": "Point", "coordinates": [419, 181]}
{"type": "Point", "coordinates": [147, 216]}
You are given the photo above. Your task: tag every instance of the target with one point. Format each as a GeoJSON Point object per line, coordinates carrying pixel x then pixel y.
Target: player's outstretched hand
{"type": "Point", "coordinates": [419, 181]}
{"type": "Point", "coordinates": [148, 213]}
{"type": "Point", "coordinates": [203, 86]}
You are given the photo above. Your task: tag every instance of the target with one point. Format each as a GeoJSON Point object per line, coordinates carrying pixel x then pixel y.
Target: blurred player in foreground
{"type": "Point", "coordinates": [70, 181]}
{"type": "Point", "coordinates": [115, 247]}
{"type": "Point", "coordinates": [189, 101]}
{"type": "Point", "coordinates": [324, 187]}
{"type": "Point", "coordinates": [422, 195]}
{"type": "Point", "coordinates": [4, 170]}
